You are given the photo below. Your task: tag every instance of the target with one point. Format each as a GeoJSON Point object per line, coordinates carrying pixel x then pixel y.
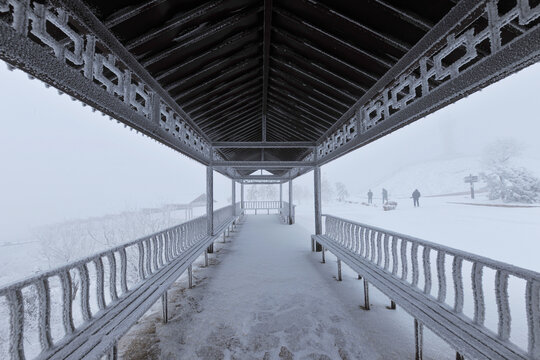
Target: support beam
{"type": "Point", "coordinates": [233, 196]}
{"type": "Point", "coordinates": [418, 340]}
{"type": "Point", "coordinates": [242, 195]}
{"type": "Point", "coordinates": [318, 203]}
{"type": "Point", "coordinates": [210, 205]}
{"type": "Point", "coordinates": [280, 195]}
{"type": "Point", "coordinates": [263, 145]}
{"type": "Point", "coordinates": [267, 33]}
{"type": "Point", "coordinates": [256, 165]}
{"type": "Point", "coordinates": [291, 216]}
{"type": "Point", "coordinates": [164, 308]}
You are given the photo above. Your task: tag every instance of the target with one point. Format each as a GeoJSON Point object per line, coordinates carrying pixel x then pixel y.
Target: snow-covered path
{"type": "Point", "coordinates": [269, 297]}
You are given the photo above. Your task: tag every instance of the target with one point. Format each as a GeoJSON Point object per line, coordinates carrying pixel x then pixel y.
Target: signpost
{"type": "Point", "coordinates": [471, 180]}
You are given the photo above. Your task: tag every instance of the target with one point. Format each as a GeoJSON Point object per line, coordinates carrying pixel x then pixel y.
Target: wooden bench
{"type": "Point", "coordinates": [459, 331]}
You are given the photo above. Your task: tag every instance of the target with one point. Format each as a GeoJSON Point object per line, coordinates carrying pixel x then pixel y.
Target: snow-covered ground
{"type": "Point", "coordinates": [269, 297]}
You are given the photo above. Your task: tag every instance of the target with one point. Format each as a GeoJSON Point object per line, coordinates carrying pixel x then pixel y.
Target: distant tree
{"type": "Point", "coordinates": [504, 179]}
{"type": "Point", "coordinates": [252, 193]}
{"type": "Point", "coordinates": [327, 190]}
{"type": "Point", "coordinates": [341, 190]}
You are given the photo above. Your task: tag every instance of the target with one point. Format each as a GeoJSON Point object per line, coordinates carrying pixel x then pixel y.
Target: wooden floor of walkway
{"type": "Point", "coordinates": [267, 296]}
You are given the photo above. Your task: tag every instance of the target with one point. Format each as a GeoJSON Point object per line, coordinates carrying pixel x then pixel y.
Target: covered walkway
{"type": "Point", "coordinates": [269, 297]}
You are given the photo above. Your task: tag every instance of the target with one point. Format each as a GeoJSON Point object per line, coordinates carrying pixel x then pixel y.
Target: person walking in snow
{"type": "Point", "coordinates": [416, 197]}
{"type": "Point", "coordinates": [369, 197]}
{"type": "Point", "coordinates": [384, 196]}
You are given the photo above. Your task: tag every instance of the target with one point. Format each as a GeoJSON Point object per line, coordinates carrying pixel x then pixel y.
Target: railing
{"type": "Point", "coordinates": [262, 205]}
{"type": "Point", "coordinates": [408, 260]}
{"type": "Point", "coordinates": [98, 282]}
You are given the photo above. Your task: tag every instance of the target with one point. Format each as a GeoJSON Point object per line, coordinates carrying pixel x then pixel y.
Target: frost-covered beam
{"type": "Point", "coordinates": [256, 165]}
{"type": "Point", "coordinates": [381, 111]}
{"type": "Point", "coordinates": [67, 47]}
{"type": "Point", "coordinates": [183, 19]}
{"type": "Point", "coordinates": [267, 33]}
{"type": "Point", "coordinates": [131, 11]}
{"type": "Point", "coordinates": [200, 34]}
{"type": "Point", "coordinates": [407, 16]}
{"type": "Point", "coordinates": [263, 145]}
{"type": "Point", "coordinates": [339, 17]}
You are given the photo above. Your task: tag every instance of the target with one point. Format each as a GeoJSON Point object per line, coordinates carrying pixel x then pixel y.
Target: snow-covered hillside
{"type": "Point", "coordinates": [438, 177]}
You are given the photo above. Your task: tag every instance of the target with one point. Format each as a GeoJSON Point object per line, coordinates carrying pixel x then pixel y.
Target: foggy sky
{"type": "Point", "coordinates": [61, 161]}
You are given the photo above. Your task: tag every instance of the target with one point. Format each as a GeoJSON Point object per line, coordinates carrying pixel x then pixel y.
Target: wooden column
{"type": "Point", "coordinates": [210, 205]}
{"type": "Point", "coordinates": [233, 196]}
{"type": "Point", "coordinates": [281, 195]}
{"type": "Point", "coordinates": [291, 219]}
{"type": "Point", "coordinates": [317, 198]}
{"type": "Point", "coordinates": [242, 195]}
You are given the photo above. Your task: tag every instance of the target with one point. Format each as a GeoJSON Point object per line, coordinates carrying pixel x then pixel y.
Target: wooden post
{"type": "Point", "coordinates": [418, 339]}
{"type": "Point", "coordinates": [317, 197]}
{"type": "Point", "coordinates": [459, 356]}
{"type": "Point", "coordinates": [242, 195]}
{"type": "Point", "coordinates": [392, 305]}
{"type": "Point", "coordinates": [280, 195]}
{"type": "Point", "coordinates": [339, 270]}
{"type": "Point", "coordinates": [164, 308]}
{"type": "Point", "coordinates": [291, 220]}
{"type": "Point", "coordinates": [366, 295]}
{"type": "Point", "coordinates": [190, 276]}
{"type": "Point", "coordinates": [323, 258]}
{"type": "Point", "coordinates": [113, 352]}
{"type": "Point", "coordinates": [206, 257]}
{"type": "Point", "coordinates": [233, 196]}
{"type": "Point", "coordinates": [210, 205]}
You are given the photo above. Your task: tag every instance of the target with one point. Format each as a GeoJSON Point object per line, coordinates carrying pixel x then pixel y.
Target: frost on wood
{"type": "Point", "coordinates": [88, 55]}
{"type": "Point", "coordinates": [452, 324]}
{"type": "Point", "coordinates": [415, 82]}
{"type": "Point", "coordinates": [160, 257]}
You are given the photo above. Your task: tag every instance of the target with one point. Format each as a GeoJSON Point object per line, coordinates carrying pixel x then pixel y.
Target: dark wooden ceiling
{"type": "Point", "coordinates": [292, 67]}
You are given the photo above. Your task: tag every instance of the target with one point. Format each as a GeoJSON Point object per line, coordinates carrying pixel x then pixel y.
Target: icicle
{"type": "Point", "coordinates": [93, 109]}
{"type": "Point", "coordinates": [10, 67]}
{"type": "Point", "coordinates": [47, 85]}
{"type": "Point", "coordinates": [60, 92]}
{"type": "Point", "coordinates": [31, 77]}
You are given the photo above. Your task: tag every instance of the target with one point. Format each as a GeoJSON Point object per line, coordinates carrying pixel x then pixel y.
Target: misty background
{"type": "Point", "coordinates": [61, 161]}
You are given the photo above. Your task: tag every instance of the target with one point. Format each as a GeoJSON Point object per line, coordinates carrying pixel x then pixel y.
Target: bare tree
{"type": "Point", "coordinates": [342, 193]}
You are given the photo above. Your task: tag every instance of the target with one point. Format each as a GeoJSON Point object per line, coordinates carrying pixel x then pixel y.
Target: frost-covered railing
{"type": "Point", "coordinates": [262, 205]}
{"type": "Point", "coordinates": [409, 260]}
{"type": "Point", "coordinates": [223, 215]}
{"type": "Point", "coordinates": [87, 291]}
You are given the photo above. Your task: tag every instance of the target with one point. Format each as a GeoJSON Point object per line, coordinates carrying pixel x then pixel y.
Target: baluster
{"type": "Point", "coordinates": [427, 270]}
{"type": "Point", "coordinates": [386, 252]}
{"type": "Point", "coordinates": [414, 259]}
{"type": "Point", "coordinates": [403, 250]}
{"type": "Point", "coordinates": [167, 246]}
{"type": "Point", "coordinates": [379, 248]}
{"type": "Point", "coordinates": [457, 273]}
{"type": "Point", "coordinates": [149, 257]}
{"type": "Point", "coordinates": [354, 240]}
{"type": "Point", "coordinates": [503, 307]}
{"type": "Point", "coordinates": [394, 256]}
{"type": "Point", "coordinates": [123, 271]}
{"type": "Point", "coordinates": [100, 283]}
{"type": "Point", "coordinates": [112, 276]}
{"type": "Point", "coordinates": [154, 244]}
{"type": "Point", "coordinates": [67, 305]}
{"type": "Point", "coordinates": [361, 242]}
{"type": "Point", "coordinates": [441, 275]}
{"type": "Point", "coordinates": [140, 247]}
{"type": "Point", "coordinates": [85, 292]}
{"type": "Point", "coordinates": [367, 239]}
{"type": "Point", "coordinates": [372, 245]}
{"type": "Point", "coordinates": [44, 324]}
{"type": "Point", "coordinates": [478, 293]}
{"type": "Point", "coordinates": [16, 321]}
{"type": "Point", "coordinates": [532, 304]}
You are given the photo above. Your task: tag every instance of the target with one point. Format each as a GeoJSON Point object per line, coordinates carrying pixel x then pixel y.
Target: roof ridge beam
{"type": "Point", "coordinates": [267, 33]}
{"type": "Point", "coordinates": [263, 145]}
{"type": "Point", "coordinates": [127, 13]}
